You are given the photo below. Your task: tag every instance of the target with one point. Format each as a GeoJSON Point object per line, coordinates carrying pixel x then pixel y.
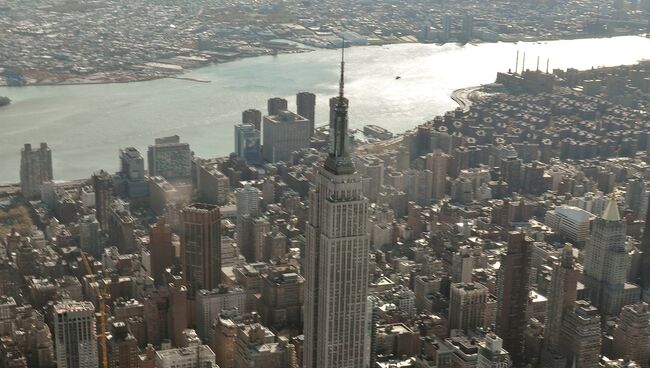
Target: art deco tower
{"type": "Point", "coordinates": [336, 258]}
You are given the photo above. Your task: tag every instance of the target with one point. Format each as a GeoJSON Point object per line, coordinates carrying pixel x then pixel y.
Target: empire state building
{"type": "Point", "coordinates": [336, 258]}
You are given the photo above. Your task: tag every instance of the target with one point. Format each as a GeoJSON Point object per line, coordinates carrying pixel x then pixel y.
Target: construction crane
{"type": "Point", "coordinates": [103, 296]}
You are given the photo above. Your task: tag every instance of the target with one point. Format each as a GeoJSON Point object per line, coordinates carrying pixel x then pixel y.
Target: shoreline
{"type": "Point", "coordinates": [73, 81]}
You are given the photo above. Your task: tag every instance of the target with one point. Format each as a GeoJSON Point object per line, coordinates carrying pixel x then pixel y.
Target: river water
{"type": "Point", "coordinates": [85, 125]}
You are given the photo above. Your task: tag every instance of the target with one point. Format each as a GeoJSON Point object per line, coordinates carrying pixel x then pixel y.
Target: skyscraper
{"type": "Point", "coordinates": [636, 196]}
{"type": "Point", "coordinates": [467, 304]}
{"type": "Point", "coordinates": [161, 249]}
{"type": "Point", "coordinates": [283, 134]}
{"type": "Point", "coordinates": [645, 257]}
{"type": "Point", "coordinates": [512, 295]}
{"type": "Point", "coordinates": [201, 246]}
{"type": "Point", "coordinates": [581, 338]}
{"type": "Point", "coordinates": [103, 187]}
{"type": "Point", "coordinates": [561, 298]}
{"type": "Point", "coordinates": [132, 172]}
{"type": "Point", "coordinates": [247, 143]}
{"type": "Point", "coordinates": [306, 107]}
{"type": "Point", "coordinates": [336, 259]}
{"type": "Point", "coordinates": [75, 334]}
{"type": "Point", "coordinates": [607, 263]}
{"type": "Point", "coordinates": [170, 158]}
{"type": "Point", "coordinates": [35, 169]}
{"type": "Point", "coordinates": [252, 116]}
{"type": "Point", "coordinates": [275, 105]}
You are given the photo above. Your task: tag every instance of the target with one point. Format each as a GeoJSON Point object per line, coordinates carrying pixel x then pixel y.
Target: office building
{"type": "Point", "coordinates": [212, 185]}
{"type": "Point", "coordinates": [581, 338]}
{"type": "Point", "coordinates": [562, 295]}
{"type": "Point", "coordinates": [645, 257]}
{"type": "Point", "coordinates": [306, 107]}
{"type": "Point", "coordinates": [75, 334]}
{"type": "Point", "coordinates": [632, 334]}
{"type": "Point", "coordinates": [257, 346]}
{"type": "Point", "coordinates": [35, 169]}
{"type": "Point", "coordinates": [103, 187]}
{"type": "Point", "coordinates": [170, 158]}
{"type": "Point", "coordinates": [512, 294]}
{"type": "Point", "coordinates": [201, 246]}
{"type": "Point", "coordinates": [636, 196]}
{"type": "Point", "coordinates": [275, 105]}
{"type": "Point", "coordinates": [467, 304]}
{"type": "Point", "coordinates": [199, 356]}
{"type": "Point", "coordinates": [607, 263]}
{"type": "Point", "coordinates": [90, 239]}
{"type": "Point", "coordinates": [132, 173]}
{"type": "Point", "coordinates": [570, 222]}
{"type": "Point", "coordinates": [282, 298]}
{"type": "Point", "coordinates": [210, 303]}
{"type": "Point", "coordinates": [250, 236]}
{"type": "Point", "coordinates": [247, 143]}
{"type": "Point", "coordinates": [248, 200]}
{"type": "Point", "coordinates": [284, 133]}
{"type": "Point", "coordinates": [336, 259]}
{"type": "Point", "coordinates": [122, 346]}
{"type": "Point", "coordinates": [161, 249]}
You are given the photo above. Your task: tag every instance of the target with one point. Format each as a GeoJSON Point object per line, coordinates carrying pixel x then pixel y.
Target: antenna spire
{"type": "Point", "coordinates": [342, 80]}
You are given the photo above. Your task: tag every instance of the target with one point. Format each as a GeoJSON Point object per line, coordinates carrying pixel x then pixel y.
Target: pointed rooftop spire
{"type": "Point", "coordinates": [611, 210]}
{"type": "Point", "coordinates": [342, 80]}
{"type": "Point", "coordinates": [338, 160]}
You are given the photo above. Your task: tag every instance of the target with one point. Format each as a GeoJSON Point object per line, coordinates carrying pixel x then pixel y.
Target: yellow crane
{"type": "Point", "coordinates": [103, 296]}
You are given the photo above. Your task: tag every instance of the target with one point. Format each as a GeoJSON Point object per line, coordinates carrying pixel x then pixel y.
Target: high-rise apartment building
{"type": "Point", "coordinates": [75, 334]}
{"type": "Point", "coordinates": [35, 169]}
{"type": "Point", "coordinates": [247, 143]}
{"type": "Point", "coordinates": [438, 162]}
{"type": "Point", "coordinates": [253, 117]}
{"type": "Point", "coordinates": [284, 133]}
{"type": "Point", "coordinates": [306, 107]}
{"type": "Point", "coordinates": [201, 246]}
{"type": "Point", "coordinates": [562, 296]}
{"type": "Point", "coordinates": [213, 186]}
{"type": "Point", "coordinates": [336, 259]}
{"type": "Point", "coordinates": [467, 303]}
{"type": "Point", "coordinates": [275, 105]}
{"type": "Point", "coordinates": [512, 294]}
{"type": "Point", "coordinates": [170, 158]}
{"type": "Point", "coordinates": [607, 263]}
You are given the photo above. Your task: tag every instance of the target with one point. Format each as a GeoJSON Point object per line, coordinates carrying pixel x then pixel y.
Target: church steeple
{"type": "Point", "coordinates": [338, 160]}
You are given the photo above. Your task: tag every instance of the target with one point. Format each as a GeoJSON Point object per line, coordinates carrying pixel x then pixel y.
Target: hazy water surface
{"type": "Point", "coordinates": [86, 125]}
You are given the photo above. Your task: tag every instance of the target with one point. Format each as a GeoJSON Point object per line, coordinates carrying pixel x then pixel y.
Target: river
{"type": "Point", "coordinates": [85, 125]}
